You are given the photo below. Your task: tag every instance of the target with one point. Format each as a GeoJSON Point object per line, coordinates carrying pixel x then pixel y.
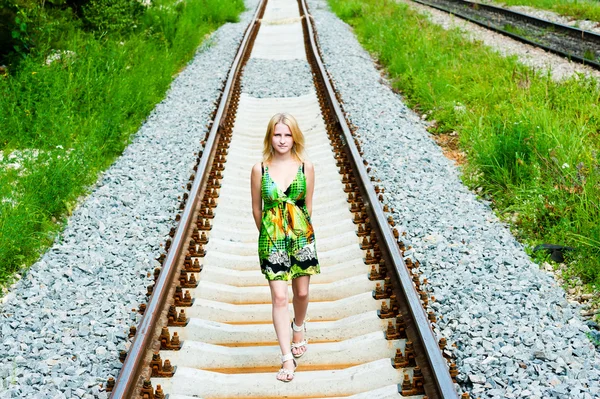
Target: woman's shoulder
{"type": "Point", "coordinates": [308, 165]}
{"type": "Point", "coordinates": [257, 169]}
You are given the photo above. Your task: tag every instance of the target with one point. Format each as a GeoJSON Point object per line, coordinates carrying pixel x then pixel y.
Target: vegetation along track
{"type": "Point", "coordinates": [207, 331]}
{"type": "Point", "coordinates": [576, 44]}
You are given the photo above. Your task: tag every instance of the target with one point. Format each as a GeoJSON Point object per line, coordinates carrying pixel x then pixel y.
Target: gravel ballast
{"type": "Point", "coordinates": [286, 78]}
{"type": "Point", "coordinates": [515, 333]}
{"type": "Point", "coordinates": [63, 323]}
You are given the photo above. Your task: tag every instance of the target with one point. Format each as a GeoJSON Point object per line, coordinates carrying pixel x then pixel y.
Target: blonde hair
{"type": "Point", "coordinates": [297, 136]}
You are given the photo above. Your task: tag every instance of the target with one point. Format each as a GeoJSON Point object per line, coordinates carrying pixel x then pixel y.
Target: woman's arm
{"type": "Point", "coordinates": [255, 188]}
{"type": "Point", "coordinates": [309, 172]}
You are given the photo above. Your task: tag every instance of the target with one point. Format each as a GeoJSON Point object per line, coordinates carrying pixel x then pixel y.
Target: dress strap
{"type": "Point", "coordinates": [262, 168]}
{"type": "Point", "coordinates": [302, 167]}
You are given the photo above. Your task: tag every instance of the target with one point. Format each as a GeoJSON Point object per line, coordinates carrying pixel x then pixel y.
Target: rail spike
{"type": "Point", "coordinates": [168, 342]}
{"type": "Point", "coordinates": [159, 394]}
{"type": "Point", "coordinates": [110, 384]}
{"type": "Point", "coordinates": [407, 386]}
{"type": "Point", "coordinates": [158, 369]}
{"type": "Point", "coordinates": [385, 312]}
{"type": "Point", "coordinates": [147, 391]}
{"type": "Point", "coordinates": [391, 332]}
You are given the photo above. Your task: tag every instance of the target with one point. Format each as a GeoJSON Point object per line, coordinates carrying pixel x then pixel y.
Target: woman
{"type": "Point", "coordinates": [286, 244]}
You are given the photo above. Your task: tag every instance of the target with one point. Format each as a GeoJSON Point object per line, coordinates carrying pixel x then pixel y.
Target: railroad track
{"type": "Point", "coordinates": [573, 43]}
{"type": "Point", "coordinates": [207, 331]}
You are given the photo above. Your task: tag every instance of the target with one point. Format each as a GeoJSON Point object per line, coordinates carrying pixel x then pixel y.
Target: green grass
{"type": "Point", "coordinates": [593, 338]}
{"type": "Point", "coordinates": [532, 144]}
{"type": "Point", "coordinates": [81, 113]}
{"type": "Point", "coordinates": [578, 9]}
{"type": "Point", "coordinates": [516, 30]}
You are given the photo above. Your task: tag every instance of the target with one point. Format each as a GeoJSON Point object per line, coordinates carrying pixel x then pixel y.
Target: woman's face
{"type": "Point", "coordinates": [282, 140]}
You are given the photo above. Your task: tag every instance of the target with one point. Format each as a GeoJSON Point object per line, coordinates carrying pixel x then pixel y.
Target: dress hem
{"type": "Point", "coordinates": [291, 278]}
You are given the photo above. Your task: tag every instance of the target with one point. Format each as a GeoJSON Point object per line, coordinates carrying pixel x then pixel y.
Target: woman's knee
{"type": "Point", "coordinates": [301, 293]}
{"type": "Point", "coordinates": [280, 300]}
{"type": "Point", "coordinates": [300, 287]}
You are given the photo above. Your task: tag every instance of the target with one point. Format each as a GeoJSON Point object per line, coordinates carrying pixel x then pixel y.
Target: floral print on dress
{"type": "Point", "coordinates": [286, 244]}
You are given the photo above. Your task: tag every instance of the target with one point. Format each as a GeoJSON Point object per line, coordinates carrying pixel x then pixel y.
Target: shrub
{"type": "Point", "coordinates": [7, 20]}
{"type": "Point", "coordinates": [113, 15]}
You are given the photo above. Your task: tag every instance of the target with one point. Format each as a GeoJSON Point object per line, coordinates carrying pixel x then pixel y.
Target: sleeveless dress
{"type": "Point", "coordinates": [286, 244]}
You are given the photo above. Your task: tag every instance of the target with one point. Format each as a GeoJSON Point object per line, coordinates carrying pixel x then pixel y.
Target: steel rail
{"type": "Point", "coordinates": [129, 376]}
{"type": "Point", "coordinates": [568, 30]}
{"type": "Point", "coordinates": [435, 369]}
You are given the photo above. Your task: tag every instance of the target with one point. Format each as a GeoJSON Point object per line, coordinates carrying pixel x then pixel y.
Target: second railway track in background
{"type": "Point", "coordinates": [207, 331]}
{"type": "Point", "coordinates": [573, 43]}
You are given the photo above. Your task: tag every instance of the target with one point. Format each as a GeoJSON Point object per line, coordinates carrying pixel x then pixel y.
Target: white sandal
{"type": "Point", "coordinates": [301, 344]}
{"type": "Point", "coordinates": [286, 372]}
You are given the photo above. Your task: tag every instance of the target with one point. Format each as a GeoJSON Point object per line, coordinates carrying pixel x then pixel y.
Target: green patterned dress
{"type": "Point", "coordinates": [286, 245]}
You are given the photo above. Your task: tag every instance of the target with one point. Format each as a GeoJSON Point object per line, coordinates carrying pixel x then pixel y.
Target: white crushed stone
{"type": "Point", "coordinates": [295, 74]}
{"type": "Point", "coordinates": [516, 335]}
{"type": "Point", "coordinates": [63, 323]}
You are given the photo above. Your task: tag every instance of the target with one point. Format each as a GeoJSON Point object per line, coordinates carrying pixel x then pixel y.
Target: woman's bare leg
{"type": "Point", "coordinates": [281, 319]}
{"type": "Point", "coordinates": [300, 302]}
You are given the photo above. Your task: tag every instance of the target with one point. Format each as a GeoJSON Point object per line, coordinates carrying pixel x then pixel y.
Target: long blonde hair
{"type": "Point", "coordinates": [297, 136]}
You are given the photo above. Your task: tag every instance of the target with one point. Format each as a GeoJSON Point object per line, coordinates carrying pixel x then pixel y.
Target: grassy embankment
{"type": "Point", "coordinates": [531, 144]}
{"type": "Point", "coordinates": [67, 121]}
{"type": "Point", "coordinates": [577, 9]}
